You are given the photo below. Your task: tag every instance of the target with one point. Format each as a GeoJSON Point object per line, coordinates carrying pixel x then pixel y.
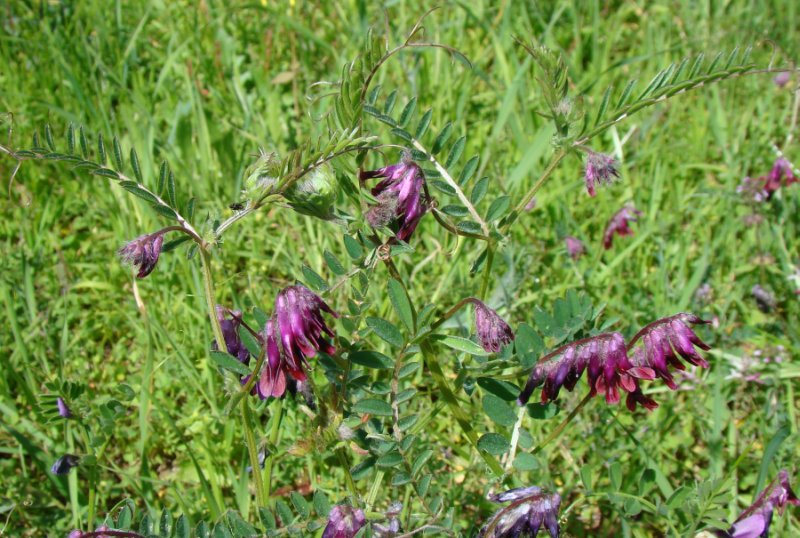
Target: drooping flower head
{"type": "Point", "coordinates": [143, 252]}
{"type": "Point", "coordinates": [65, 464]}
{"type": "Point", "coordinates": [63, 408]}
{"type": "Point", "coordinates": [298, 312]}
{"type": "Point", "coordinates": [605, 359]}
{"type": "Point", "coordinates": [659, 345]}
{"type": "Point", "coordinates": [663, 341]}
{"type": "Point", "coordinates": [344, 522]}
{"type": "Point", "coordinates": [528, 509]}
{"type": "Point", "coordinates": [755, 521]}
{"type": "Point", "coordinates": [620, 224]}
{"type": "Point", "coordinates": [493, 332]}
{"type": "Point", "coordinates": [600, 168]}
{"type": "Point", "coordinates": [575, 247]}
{"type": "Point", "coordinates": [230, 332]}
{"type": "Point", "coordinates": [400, 197]}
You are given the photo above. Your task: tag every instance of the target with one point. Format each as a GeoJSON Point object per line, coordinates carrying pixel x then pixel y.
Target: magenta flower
{"type": "Point", "coordinates": [755, 521]}
{"type": "Point", "coordinates": [529, 509]}
{"type": "Point", "coordinates": [604, 356]}
{"type": "Point", "coordinates": [298, 312]}
{"type": "Point", "coordinates": [344, 522]}
{"type": "Point", "coordinates": [663, 341]}
{"type": "Point", "coordinates": [400, 196]}
{"type": "Point", "coordinates": [575, 247]}
{"type": "Point", "coordinates": [143, 252]}
{"type": "Point", "coordinates": [600, 168]}
{"type": "Point", "coordinates": [493, 332]}
{"type": "Point", "coordinates": [620, 224]}
{"type": "Point", "coordinates": [780, 175]}
{"type": "Point", "coordinates": [65, 464]}
{"type": "Point", "coordinates": [63, 408]}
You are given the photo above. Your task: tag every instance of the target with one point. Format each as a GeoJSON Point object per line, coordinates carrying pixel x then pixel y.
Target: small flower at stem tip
{"type": "Point", "coordinates": [600, 169]}
{"type": "Point", "coordinates": [143, 252]}
{"type": "Point", "coordinates": [493, 332]}
{"type": "Point", "coordinates": [401, 197]}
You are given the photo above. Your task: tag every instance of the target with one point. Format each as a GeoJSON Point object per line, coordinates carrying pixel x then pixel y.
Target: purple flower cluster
{"type": "Point", "coordinates": [401, 197]}
{"type": "Point", "coordinates": [493, 332]}
{"type": "Point", "coordinates": [620, 224]}
{"type": "Point", "coordinates": [604, 357]}
{"type": "Point", "coordinates": [344, 522]}
{"type": "Point", "coordinates": [528, 510]}
{"type": "Point", "coordinates": [611, 364]}
{"type": "Point", "coordinates": [755, 521]}
{"type": "Point", "coordinates": [295, 332]}
{"type": "Point", "coordinates": [600, 168]}
{"type": "Point", "coordinates": [143, 252]}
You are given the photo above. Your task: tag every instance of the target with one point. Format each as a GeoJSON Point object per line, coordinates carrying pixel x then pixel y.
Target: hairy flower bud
{"type": "Point", "coordinates": [400, 197]}
{"type": "Point", "coordinates": [65, 464]}
{"type": "Point", "coordinates": [600, 168]}
{"type": "Point", "coordinates": [315, 193]}
{"type": "Point", "coordinates": [143, 252]}
{"type": "Point", "coordinates": [493, 332]}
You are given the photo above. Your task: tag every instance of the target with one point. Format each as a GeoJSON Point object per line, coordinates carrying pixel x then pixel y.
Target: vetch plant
{"type": "Point", "coordinates": [376, 358]}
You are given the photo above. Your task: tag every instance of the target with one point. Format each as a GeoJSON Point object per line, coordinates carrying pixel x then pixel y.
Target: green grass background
{"type": "Point", "coordinates": [204, 84]}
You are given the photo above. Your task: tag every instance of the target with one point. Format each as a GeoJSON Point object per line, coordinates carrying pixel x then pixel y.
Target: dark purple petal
{"type": "Point", "coordinates": [600, 168]}
{"type": "Point", "coordinates": [755, 521]}
{"type": "Point", "coordinates": [65, 464]}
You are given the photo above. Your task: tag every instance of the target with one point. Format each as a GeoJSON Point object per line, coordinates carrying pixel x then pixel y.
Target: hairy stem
{"type": "Point", "coordinates": [560, 154]}
{"type": "Point", "coordinates": [252, 451]}
{"type": "Point", "coordinates": [211, 302]}
{"type": "Point", "coordinates": [277, 415]}
{"type": "Point", "coordinates": [487, 270]}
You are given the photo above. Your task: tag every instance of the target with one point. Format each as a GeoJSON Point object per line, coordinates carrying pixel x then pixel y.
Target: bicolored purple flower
{"type": "Point", "coordinates": [230, 332]}
{"type": "Point", "coordinates": [344, 522]}
{"type": "Point", "coordinates": [780, 175]}
{"type": "Point", "coordinates": [600, 169]}
{"type": "Point", "coordinates": [605, 359]}
{"type": "Point", "coordinates": [65, 464]}
{"type": "Point", "coordinates": [300, 325]}
{"type": "Point", "coordinates": [401, 197]}
{"type": "Point", "coordinates": [493, 332]}
{"type": "Point", "coordinates": [143, 252]}
{"type": "Point", "coordinates": [528, 510]}
{"type": "Point", "coordinates": [755, 521]}
{"type": "Point", "coordinates": [575, 247]}
{"type": "Point", "coordinates": [272, 380]}
{"type": "Point", "coordinates": [663, 341]}
{"type": "Point", "coordinates": [620, 224]}
{"type": "Point", "coordinates": [63, 408]}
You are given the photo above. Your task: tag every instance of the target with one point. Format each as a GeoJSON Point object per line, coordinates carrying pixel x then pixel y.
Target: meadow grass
{"type": "Point", "coordinates": [203, 85]}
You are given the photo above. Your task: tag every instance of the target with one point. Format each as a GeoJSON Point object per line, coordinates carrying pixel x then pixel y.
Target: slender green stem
{"type": "Point", "coordinates": [373, 491]}
{"type": "Point", "coordinates": [560, 154]}
{"type": "Point", "coordinates": [211, 302]}
{"type": "Point", "coordinates": [560, 428]}
{"type": "Point", "coordinates": [92, 481]}
{"type": "Point", "coordinates": [252, 450]}
{"type": "Point", "coordinates": [487, 270]}
{"type": "Point", "coordinates": [455, 407]}
{"type": "Point", "coordinates": [277, 416]}
{"type": "Point", "coordinates": [348, 478]}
